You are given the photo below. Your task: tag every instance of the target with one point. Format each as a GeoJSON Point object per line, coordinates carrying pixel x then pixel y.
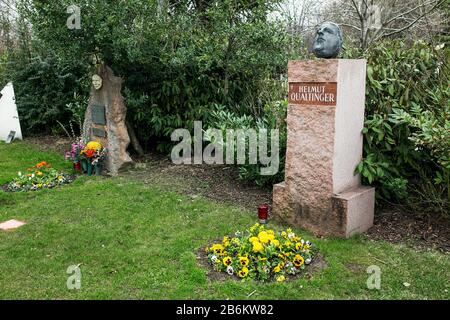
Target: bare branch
{"type": "Point", "coordinates": [409, 11]}
{"type": "Point", "coordinates": [351, 26]}
{"type": "Point", "coordinates": [416, 20]}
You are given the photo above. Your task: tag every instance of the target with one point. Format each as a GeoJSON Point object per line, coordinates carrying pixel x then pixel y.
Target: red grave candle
{"type": "Point", "coordinates": [77, 166]}
{"type": "Point", "coordinates": [263, 213]}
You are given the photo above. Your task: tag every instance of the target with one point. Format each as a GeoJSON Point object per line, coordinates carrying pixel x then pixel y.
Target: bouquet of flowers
{"type": "Point", "coordinates": [93, 155]}
{"type": "Point", "coordinates": [74, 154]}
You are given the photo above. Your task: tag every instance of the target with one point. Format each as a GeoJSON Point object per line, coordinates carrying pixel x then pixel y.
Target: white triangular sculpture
{"type": "Point", "coordinates": [9, 118]}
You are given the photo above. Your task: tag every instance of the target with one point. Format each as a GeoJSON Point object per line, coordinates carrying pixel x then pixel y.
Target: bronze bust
{"type": "Point", "coordinates": [328, 41]}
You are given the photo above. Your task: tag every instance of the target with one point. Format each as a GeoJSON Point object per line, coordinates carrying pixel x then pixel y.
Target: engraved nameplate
{"type": "Point", "coordinates": [313, 93]}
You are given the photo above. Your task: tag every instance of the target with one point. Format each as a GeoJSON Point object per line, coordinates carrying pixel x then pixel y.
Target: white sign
{"type": "Point", "coordinates": [9, 118]}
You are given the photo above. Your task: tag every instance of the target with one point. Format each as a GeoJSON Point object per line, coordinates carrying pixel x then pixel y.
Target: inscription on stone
{"type": "Point", "coordinates": [98, 114]}
{"type": "Point", "coordinates": [313, 93]}
{"type": "Point", "coordinates": [98, 132]}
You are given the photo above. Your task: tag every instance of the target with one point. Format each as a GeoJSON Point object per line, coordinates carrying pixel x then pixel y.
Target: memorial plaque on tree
{"type": "Point", "coordinates": [99, 115]}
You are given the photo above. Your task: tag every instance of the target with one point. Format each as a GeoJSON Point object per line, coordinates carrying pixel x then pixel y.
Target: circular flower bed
{"type": "Point", "coordinates": [41, 176]}
{"type": "Point", "coordinates": [261, 254]}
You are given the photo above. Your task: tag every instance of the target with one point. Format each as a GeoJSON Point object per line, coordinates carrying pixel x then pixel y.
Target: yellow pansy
{"type": "Point", "coordinates": [275, 243]}
{"type": "Point", "coordinates": [39, 173]}
{"type": "Point", "coordinates": [281, 278]}
{"type": "Point", "coordinates": [298, 246]}
{"type": "Point", "coordinates": [217, 248]}
{"type": "Point", "coordinates": [298, 261]}
{"type": "Point", "coordinates": [226, 241]}
{"type": "Point", "coordinates": [265, 237]}
{"type": "Point", "coordinates": [257, 246]}
{"type": "Point", "coordinates": [277, 269]}
{"type": "Point", "coordinates": [253, 239]}
{"type": "Point", "coordinates": [287, 244]}
{"type": "Point", "coordinates": [243, 273]}
{"type": "Point", "coordinates": [226, 261]}
{"type": "Point", "coordinates": [243, 261]}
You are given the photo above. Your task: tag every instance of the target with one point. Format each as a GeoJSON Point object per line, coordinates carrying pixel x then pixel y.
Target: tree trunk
{"type": "Point", "coordinates": [134, 140]}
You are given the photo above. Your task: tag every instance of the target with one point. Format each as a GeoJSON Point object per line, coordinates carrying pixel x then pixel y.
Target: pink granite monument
{"type": "Point", "coordinates": [321, 191]}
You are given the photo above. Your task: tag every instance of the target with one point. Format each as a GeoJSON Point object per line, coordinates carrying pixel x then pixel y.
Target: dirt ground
{"type": "Point", "coordinates": [221, 183]}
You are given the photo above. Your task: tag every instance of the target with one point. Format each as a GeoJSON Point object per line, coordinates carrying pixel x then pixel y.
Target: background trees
{"type": "Point", "coordinates": [368, 21]}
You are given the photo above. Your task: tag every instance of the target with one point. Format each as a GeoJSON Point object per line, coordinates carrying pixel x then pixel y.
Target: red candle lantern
{"type": "Point", "coordinates": [263, 213]}
{"type": "Point", "coordinates": [77, 166]}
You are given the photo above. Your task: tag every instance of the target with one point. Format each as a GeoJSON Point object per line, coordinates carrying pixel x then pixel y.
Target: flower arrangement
{"type": "Point", "coordinates": [93, 154]}
{"type": "Point", "coordinates": [41, 176]}
{"type": "Point", "coordinates": [74, 154]}
{"type": "Point", "coordinates": [261, 254]}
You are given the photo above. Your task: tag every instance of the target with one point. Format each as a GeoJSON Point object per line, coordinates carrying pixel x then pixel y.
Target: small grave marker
{"type": "Point", "coordinates": [11, 225]}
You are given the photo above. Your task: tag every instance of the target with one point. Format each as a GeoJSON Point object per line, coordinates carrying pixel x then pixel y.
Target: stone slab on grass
{"type": "Point", "coordinates": [11, 225]}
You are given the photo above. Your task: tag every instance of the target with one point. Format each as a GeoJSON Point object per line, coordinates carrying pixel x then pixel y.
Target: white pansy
{"type": "Point", "coordinates": [308, 261]}
{"type": "Point", "coordinates": [213, 259]}
{"type": "Point", "coordinates": [230, 270]}
{"type": "Point", "coordinates": [291, 236]}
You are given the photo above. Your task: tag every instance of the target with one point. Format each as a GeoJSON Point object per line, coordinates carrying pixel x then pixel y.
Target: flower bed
{"type": "Point", "coordinates": [41, 176]}
{"type": "Point", "coordinates": [261, 254]}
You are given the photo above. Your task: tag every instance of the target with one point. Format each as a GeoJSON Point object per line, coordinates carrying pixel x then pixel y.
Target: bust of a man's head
{"type": "Point", "coordinates": [97, 81]}
{"type": "Point", "coordinates": [328, 41]}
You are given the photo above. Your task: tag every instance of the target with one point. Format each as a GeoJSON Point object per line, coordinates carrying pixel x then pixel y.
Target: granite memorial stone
{"type": "Point", "coordinates": [321, 191]}
{"type": "Point", "coordinates": [105, 119]}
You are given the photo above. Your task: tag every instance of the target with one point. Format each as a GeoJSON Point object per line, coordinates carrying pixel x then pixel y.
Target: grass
{"type": "Point", "coordinates": [137, 241]}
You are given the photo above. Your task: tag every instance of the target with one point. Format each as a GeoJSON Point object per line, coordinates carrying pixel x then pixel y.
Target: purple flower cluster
{"type": "Point", "coordinates": [74, 153]}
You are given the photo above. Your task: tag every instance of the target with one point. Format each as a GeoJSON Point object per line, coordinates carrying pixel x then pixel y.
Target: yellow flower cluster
{"type": "Point", "coordinates": [261, 254]}
{"type": "Point", "coordinates": [93, 145]}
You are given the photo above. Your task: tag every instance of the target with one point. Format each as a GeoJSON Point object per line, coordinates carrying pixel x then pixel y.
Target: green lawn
{"type": "Point", "coordinates": [137, 241]}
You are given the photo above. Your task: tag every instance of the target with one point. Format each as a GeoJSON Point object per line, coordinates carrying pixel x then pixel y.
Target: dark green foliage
{"type": "Point", "coordinates": [274, 118]}
{"type": "Point", "coordinates": [175, 64]}
{"type": "Point", "coordinates": [407, 136]}
{"type": "Point", "coordinates": [43, 86]}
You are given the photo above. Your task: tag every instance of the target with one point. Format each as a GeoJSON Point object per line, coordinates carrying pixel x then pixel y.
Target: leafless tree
{"type": "Point", "coordinates": [300, 16]}
{"type": "Point", "coordinates": [372, 20]}
{"type": "Point", "coordinates": [8, 28]}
